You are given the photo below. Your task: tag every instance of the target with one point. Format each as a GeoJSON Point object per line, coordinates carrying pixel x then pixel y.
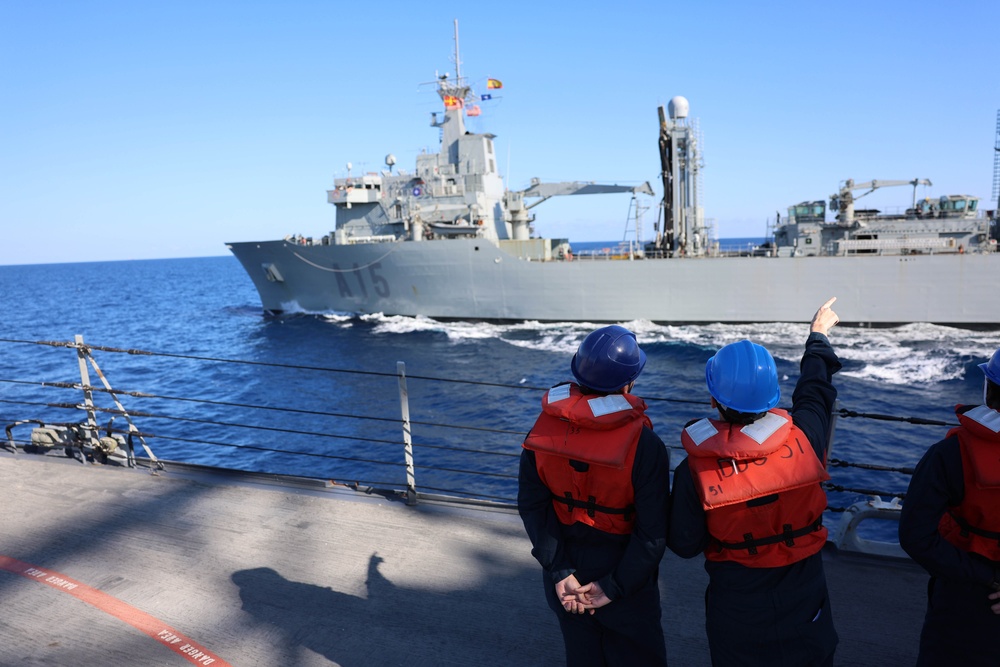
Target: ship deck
{"type": "Point", "coordinates": [103, 565]}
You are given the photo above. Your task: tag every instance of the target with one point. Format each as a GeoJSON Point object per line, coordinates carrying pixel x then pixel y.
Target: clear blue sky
{"type": "Point", "coordinates": [135, 130]}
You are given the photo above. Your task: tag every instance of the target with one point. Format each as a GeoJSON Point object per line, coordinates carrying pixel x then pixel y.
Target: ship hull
{"type": "Point", "coordinates": [476, 280]}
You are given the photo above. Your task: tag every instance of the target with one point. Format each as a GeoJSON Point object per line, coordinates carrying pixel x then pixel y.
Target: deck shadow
{"type": "Point", "coordinates": [488, 624]}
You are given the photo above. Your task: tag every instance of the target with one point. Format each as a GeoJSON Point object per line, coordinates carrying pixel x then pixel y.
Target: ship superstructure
{"type": "Point", "coordinates": [948, 224]}
{"type": "Point", "coordinates": [449, 240]}
{"type": "Point", "coordinates": [456, 192]}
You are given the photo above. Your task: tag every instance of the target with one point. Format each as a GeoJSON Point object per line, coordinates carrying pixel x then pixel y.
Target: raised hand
{"type": "Point", "coordinates": [824, 319]}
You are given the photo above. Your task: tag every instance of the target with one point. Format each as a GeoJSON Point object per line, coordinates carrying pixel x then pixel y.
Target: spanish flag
{"type": "Point", "coordinates": [493, 84]}
{"type": "Point", "coordinates": [452, 102]}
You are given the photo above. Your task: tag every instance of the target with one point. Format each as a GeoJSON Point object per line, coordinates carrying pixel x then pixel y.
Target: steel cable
{"type": "Point", "coordinates": [76, 386]}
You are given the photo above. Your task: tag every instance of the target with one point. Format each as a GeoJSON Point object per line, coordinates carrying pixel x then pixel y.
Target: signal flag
{"type": "Point", "coordinates": [493, 84]}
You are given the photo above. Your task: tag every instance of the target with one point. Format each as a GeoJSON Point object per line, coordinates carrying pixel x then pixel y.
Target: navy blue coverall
{"type": "Point", "coordinates": [777, 616]}
{"type": "Point", "coordinates": [627, 632]}
{"type": "Point", "coordinates": [959, 627]}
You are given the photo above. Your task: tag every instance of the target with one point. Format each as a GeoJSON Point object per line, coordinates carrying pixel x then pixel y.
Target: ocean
{"type": "Point", "coordinates": [318, 394]}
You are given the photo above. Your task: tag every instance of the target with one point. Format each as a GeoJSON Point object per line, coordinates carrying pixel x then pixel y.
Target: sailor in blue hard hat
{"type": "Point", "coordinates": [950, 524]}
{"type": "Point", "coordinates": [593, 494]}
{"type": "Point", "coordinates": [749, 497]}
{"type": "Point", "coordinates": [991, 373]}
{"type": "Point", "coordinates": [743, 381]}
{"type": "Point", "coordinates": [608, 359]}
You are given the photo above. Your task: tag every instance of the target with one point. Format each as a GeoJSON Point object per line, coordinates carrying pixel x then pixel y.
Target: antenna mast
{"type": "Point", "coordinates": [458, 63]}
{"type": "Point", "coordinates": [996, 168]}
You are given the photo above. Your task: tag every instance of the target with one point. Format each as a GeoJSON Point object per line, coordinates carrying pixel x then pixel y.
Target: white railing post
{"type": "Point", "coordinates": [404, 405]}
{"type": "Point", "coordinates": [121, 408]}
{"type": "Point", "coordinates": [88, 395]}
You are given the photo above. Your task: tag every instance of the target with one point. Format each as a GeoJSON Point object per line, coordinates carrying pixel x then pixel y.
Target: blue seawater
{"type": "Point", "coordinates": [338, 373]}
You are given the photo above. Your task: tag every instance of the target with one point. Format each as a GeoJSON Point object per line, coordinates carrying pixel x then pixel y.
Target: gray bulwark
{"type": "Point", "coordinates": [266, 571]}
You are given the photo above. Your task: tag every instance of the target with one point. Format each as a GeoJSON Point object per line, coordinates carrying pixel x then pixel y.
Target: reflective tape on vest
{"type": "Point", "coordinates": [764, 428]}
{"type": "Point", "coordinates": [701, 430]}
{"type": "Point", "coordinates": [986, 417]}
{"type": "Point", "coordinates": [610, 404]}
{"type": "Point", "coordinates": [560, 393]}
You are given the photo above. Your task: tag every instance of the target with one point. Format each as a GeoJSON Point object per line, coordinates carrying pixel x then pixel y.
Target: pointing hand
{"type": "Point", "coordinates": [824, 319]}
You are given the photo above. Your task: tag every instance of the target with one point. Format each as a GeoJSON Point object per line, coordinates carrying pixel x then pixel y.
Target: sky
{"type": "Point", "coordinates": [156, 129]}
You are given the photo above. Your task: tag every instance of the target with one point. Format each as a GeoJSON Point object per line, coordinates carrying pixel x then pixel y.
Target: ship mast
{"type": "Point", "coordinates": [453, 93]}
{"type": "Point", "coordinates": [680, 160]}
{"type": "Point", "coordinates": [996, 169]}
{"type": "Point", "coordinates": [666, 174]}
{"type": "Point", "coordinates": [458, 63]}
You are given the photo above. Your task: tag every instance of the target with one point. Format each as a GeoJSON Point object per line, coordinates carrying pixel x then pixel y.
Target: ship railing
{"type": "Point", "coordinates": [742, 250]}
{"type": "Point", "coordinates": [373, 238]}
{"type": "Point", "coordinates": [617, 252]}
{"type": "Point", "coordinates": [595, 255]}
{"type": "Point", "coordinates": [415, 445]}
{"type": "Point", "coordinates": [920, 244]}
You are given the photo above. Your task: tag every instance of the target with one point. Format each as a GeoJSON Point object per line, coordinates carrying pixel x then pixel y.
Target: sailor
{"type": "Point", "coordinates": [748, 496]}
{"type": "Point", "coordinates": [950, 524]}
{"type": "Point", "coordinates": [593, 495]}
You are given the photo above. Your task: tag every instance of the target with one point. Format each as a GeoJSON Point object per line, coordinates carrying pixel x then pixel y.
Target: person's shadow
{"type": "Point", "coordinates": [499, 621]}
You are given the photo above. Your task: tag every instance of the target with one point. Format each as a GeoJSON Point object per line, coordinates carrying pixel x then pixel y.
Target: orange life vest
{"type": "Point", "coordinates": [584, 448]}
{"type": "Point", "coordinates": [974, 524]}
{"type": "Point", "coordinates": [736, 468]}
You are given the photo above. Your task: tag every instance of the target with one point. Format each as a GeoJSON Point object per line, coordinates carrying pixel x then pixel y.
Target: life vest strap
{"type": "Point", "coordinates": [592, 507]}
{"type": "Point", "coordinates": [787, 535]}
{"type": "Point", "coordinates": [965, 528]}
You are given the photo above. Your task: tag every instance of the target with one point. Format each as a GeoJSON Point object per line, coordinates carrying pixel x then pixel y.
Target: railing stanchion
{"type": "Point", "coordinates": [88, 396]}
{"type": "Point", "coordinates": [404, 405]}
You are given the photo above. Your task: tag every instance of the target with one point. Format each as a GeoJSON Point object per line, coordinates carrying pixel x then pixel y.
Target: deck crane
{"type": "Point", "coordinates": [844, 200]}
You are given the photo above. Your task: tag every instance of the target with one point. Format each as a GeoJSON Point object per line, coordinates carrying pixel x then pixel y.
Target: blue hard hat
{"type": "Point", "coordinates": [608, 359]}
{"type": "Point", "coordinates": [742, 376]}
{"type": "Point", "coordinates": [992, 368]}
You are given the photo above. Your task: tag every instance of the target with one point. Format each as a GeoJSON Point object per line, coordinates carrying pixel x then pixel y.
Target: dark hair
{"type": "Point", "coordinates": [736, 417]}
{"type": "Point", "coordinates": [992, 395]}
{"type": "Point", "coordinates": [587, 391]}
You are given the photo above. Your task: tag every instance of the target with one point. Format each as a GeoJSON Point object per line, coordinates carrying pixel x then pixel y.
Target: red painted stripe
{"type": "Point", "coordinates": [192, 651]}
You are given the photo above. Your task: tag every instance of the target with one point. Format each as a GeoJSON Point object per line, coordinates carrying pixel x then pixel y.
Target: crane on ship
{"type": "Point", "coordinates": [844, 200]}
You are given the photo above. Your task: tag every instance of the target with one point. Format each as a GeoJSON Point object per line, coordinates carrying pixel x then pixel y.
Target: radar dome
{"type": "Point", "coordinates": [678, 107]}
{"type": "Point", "coordinates": [390, 160]}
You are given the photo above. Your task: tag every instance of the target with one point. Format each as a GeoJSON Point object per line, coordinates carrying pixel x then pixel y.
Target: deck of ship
{"type": "Point", "coordinates": [102, 565]}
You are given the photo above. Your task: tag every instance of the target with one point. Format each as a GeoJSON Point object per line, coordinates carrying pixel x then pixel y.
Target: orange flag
{"type": "Point", "coordinates": [493, 84]}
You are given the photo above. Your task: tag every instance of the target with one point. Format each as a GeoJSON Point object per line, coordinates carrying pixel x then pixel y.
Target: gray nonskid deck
{"type": "Point", "coordinates": [272, 574]}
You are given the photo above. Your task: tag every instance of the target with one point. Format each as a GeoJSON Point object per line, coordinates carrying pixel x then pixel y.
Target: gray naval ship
{"type": "Point", "coordinates": [449, 241]}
